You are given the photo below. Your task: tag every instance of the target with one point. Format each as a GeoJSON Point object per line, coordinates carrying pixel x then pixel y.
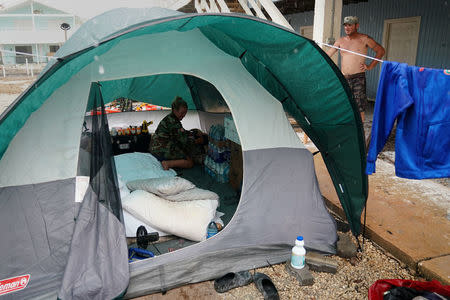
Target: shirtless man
{"type": "Point", "coordinates": [354, 66]}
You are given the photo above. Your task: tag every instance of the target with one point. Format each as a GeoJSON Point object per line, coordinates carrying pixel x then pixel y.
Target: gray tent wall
{"type": "Point", "coordinates": [37, 222]}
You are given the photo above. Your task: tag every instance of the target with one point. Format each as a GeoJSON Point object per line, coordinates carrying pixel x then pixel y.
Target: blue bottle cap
{"type": "Point", "coordinates": [300, 238]}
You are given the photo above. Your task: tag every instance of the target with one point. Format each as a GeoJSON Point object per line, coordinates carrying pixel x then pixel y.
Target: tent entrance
{"type": "Point", "coordinates": [207, 108]}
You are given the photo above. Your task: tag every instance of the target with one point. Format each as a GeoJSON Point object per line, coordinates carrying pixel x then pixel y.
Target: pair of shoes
{"type": "Point", "coordinates": [232, 280]}
{"type": "Point", "coordinates": [266, 286]}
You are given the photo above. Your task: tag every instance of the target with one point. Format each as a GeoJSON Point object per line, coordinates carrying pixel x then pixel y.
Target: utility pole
{"type": "Point", "coordinates": [65, 27]}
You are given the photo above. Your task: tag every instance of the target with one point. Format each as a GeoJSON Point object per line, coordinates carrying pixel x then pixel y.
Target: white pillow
{"type": "Point", "coordinates": [161, 186]}
{"type": "Point", "coordinates": [193, 194]}
{"type": "Point", "coordinates": [187, 219]}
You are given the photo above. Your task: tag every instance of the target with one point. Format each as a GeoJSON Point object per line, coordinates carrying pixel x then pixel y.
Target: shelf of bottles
{"type": "Point", "coordinates": [217, 162]}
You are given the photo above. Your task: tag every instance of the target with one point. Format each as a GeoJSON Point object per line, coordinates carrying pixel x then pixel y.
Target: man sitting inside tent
{"type": "Point", "coordinates": [171, 144]}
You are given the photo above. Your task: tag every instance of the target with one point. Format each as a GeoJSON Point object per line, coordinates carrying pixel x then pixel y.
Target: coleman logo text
{"type": "Point", "coordinates": [13, 284]}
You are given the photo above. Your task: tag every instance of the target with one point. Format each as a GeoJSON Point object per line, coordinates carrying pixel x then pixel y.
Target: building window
{"type": "Point", "coordinates": [54, 48]}
{"type": "Point", "coordinates": [21, 58]}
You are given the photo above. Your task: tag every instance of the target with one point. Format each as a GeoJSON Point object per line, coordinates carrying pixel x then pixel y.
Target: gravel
{"type": "Point", "coordinates": [352, 280]}
{"type": "Point", "coordinates": [10, 87]}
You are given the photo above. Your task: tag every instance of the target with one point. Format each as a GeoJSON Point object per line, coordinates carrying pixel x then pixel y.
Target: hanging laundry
{"type": "Point", "coordinates": [419, 99]}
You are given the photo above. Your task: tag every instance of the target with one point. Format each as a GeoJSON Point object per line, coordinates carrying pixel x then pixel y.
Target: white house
{"type": "Point", "coordinates": [32, 27]}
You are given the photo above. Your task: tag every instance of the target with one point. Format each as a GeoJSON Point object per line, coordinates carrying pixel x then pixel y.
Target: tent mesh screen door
{"type": "Point", "coordinates": [96, 156]}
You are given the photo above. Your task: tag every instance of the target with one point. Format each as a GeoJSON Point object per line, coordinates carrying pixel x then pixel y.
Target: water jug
{"type": "Point", "coordinates": [298, 254]}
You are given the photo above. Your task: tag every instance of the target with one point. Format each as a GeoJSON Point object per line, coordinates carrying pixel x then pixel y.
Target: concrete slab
{"type": "Point", "coordinates": [303, 276]}
{"type": "Point", "coordinates": [408, 218]}
{"type": "Point", "coordinates": [438, 268]}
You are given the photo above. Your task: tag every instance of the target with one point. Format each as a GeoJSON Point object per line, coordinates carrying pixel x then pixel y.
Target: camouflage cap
{"type": "Point", "coordinates": [351, 20]}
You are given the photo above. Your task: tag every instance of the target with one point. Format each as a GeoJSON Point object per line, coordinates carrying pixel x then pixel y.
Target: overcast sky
{"type": "Point", "coordinates": [89, 8]}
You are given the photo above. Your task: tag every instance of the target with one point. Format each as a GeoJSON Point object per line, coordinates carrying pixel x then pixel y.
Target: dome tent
{"type": "Point", "coordinates": [259, 69]}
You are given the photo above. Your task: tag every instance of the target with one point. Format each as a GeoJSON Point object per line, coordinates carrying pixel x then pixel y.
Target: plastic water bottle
{"type": "Point", "coordinates": [219, 153]}
{"type": "Point", "coordinates": [215, 153]}
{"type": "Point", "coordinates": [211, 230]}
{"type": "Point", "coordinates": [213, 132]}
{"type": "Point", "coordinates": [220, 171]}
{"type": "Point", "coordinates": [226, 173]}
{"type": "Point", "coordinates": [206, 164]}
{"type": "Point", "coordinates": [213, 150]}
{"type": "Point", "coordinates": [213, 169]}
{"type": "Point", "coordinates": [222, 154]}
{"type": "Point", "coordinates": [298, 254]}
{"type": "Point", "coordinates": [221, 132]}
{"type": "Point", "coordinates": [209, 149]}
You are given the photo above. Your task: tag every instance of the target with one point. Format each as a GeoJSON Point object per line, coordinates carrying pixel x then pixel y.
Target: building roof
{"type": "Point", "coordinates": [12, 5]}
{"type": "Point", "coordinates": [85, 9]}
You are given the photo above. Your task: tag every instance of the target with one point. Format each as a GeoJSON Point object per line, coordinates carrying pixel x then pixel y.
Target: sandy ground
{"type": "Point", "coordinates": [6, 100]}
{"type": "Point", "coordinates": [11, 87]}
{"type": "Point", "coordinates": [15, 84]}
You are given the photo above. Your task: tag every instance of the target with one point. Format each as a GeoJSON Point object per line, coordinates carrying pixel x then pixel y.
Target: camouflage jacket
{"type": "Point", "coordinates": [171, 140]}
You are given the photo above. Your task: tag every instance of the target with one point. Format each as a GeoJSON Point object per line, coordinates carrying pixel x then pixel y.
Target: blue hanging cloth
{"type": "Point", "coordinates": [419, 99]}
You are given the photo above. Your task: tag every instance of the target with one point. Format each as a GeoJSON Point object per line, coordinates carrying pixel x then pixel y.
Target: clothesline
{"type": "Point", "coordinates": [320, 43]}
{"type": "Point", "coordinates": [356, 53]}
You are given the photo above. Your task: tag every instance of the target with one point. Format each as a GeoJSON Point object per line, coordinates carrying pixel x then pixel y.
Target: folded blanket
{"type": "Point", "coordinates": [193, 194]}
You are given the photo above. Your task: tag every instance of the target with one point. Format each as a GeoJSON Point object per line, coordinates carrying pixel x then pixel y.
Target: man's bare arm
{"type": "Point", "coordinates": [332, 51]}
{"type": "Point", "coordinates": [379, 53]}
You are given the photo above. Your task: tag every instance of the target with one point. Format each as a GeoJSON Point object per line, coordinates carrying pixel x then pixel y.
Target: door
{"type": "Point", "coordinates": [400, 38]}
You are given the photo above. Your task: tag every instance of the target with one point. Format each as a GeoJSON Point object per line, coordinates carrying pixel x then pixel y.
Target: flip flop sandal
{"type": "Point", "coordinates": [266, 286]}
{"type": "Point", "coordinates": [232, 280]}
